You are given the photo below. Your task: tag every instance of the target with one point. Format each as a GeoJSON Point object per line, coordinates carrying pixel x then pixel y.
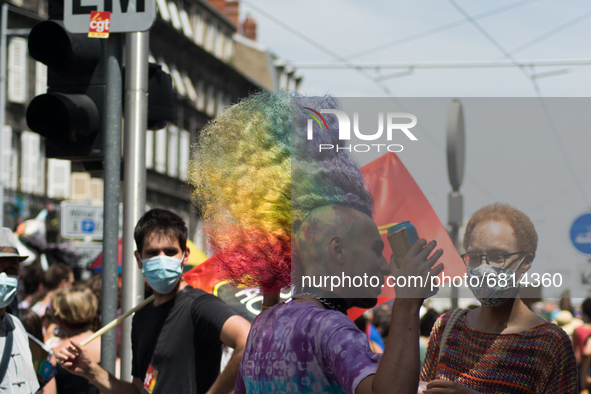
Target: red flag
{"type": "Point", "coordinates": [398, 198]}
{"type": "Point", "coordinates": [202, 276]}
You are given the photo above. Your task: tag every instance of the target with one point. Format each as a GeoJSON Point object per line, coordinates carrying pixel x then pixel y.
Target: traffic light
{"type": "Point", "coordinates": [69, 114]}
{"type": "Point", "coordinates": [160, 97]}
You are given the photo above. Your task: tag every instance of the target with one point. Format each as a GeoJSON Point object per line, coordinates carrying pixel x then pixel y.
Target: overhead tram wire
{"type": "Point", "coordinates": [549, 34]}
{"type": "Point", "coordinates": [379, 84]}
{"type": "Point", "coordinates": [508, 55]}
{"type": "Point", "coordinates": [556, 196]}
{"type": "Point", "coordinates": [448, 65]}
{"type": "Point", "coordinates": [438, 29]}
{"type": "Point", "coordinates": [384, 88]}
{"type": "Point", "coordinates": [487, 35]}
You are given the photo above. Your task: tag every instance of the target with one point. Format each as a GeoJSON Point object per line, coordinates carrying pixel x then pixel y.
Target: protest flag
{"type": "Point", "coordinates": [397, 198]}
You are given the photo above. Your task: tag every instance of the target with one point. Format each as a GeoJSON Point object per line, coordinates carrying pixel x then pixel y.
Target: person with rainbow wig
{"type": "Point", "coordinates": [277, 211]}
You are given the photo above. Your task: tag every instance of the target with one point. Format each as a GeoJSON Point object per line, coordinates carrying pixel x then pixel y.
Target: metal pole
{"type": "Point", "coordinates": [112, 144]}
{"type": "Point", "coordinates": [3, 60]}
{"type": "Point", "coordinates": [456, 153]}
{"type": "Point", "coordinates": [136, 122]}
{"type": "Point", "coordinates": [455, 293]}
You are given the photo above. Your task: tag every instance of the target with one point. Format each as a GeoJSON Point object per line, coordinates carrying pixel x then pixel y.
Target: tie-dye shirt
{"type": "Point", "coordinates": [301, 347]}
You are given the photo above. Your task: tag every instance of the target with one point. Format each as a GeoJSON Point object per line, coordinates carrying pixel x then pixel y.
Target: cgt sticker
{"type": "Point", "coordinates": [100, 22]}
{"type": "Point", "coordinates": [150, 379]}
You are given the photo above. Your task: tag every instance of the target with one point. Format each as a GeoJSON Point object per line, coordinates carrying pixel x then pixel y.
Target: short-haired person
{"type": "Point", "coordinates": [177, 339]}
{"type": "Point", "coordinates": [57, 276]}
{"type": "Point", "coordinates": [73, 310]}
{"type": "Point", "coordinates": [582, 332]}
{"type": "Point", "coordinates": [19, 374]}
{"type": "Point", "coordinates": [32, 279]}
{"type": "Point", "coordinates": [502, 346]}
{"type": "Point", "coordinates": [310, 344]}
{"type": "Point", "coordinates": [582, 345]}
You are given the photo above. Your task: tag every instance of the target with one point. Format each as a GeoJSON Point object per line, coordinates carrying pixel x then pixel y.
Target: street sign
{"type": "Point", "coordinates": [126, 15]}
{"type": "Point", "coordinates": [83, 220]}
{"type": "Point", "coordinates": [580, 233]}
{"type": "Point", "coordinates": [89, 251]}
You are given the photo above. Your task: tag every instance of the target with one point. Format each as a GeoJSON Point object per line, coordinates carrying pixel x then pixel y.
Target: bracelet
{"type": "Point", "coordinates": [265, 307]}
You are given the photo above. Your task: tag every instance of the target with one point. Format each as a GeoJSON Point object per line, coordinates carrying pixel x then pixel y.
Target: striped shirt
{"type": "Point", "coordinates": [535, 361]}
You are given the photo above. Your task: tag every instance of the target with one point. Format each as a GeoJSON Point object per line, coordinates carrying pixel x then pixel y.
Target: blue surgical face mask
{"type": "Point", "coordinates": [497, 294]}
{"type": "Point", "coordinates": [8, 286]}
{"type": "Point", "coordinates": [162, 272]}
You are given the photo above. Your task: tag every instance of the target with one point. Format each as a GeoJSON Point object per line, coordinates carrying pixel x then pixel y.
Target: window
{"type": "Point", "coordinates": [40, 184]}
{"type": "Point", "coordinates": [191, 92]}
{"type": "Point", "coordinates": [198, 28]}
{"type": "Point", "coordinates": [210, 36]}
{"type": "Point", "coordinates": [186, 24]}
{"type": "Point", "coordinates": [9, 158]}
{"type": "Point", "coordinates": [97, 190]}
{"type": "Point", "coordinates": [173, 151]}
{"type": "Point", "coordinates": [229, 50]}
{"type": "Point", "coordinates": [80, 186]}
{"type": "Point", "coordinates": [17, 70]}
{"type": "Point", "coordinates": [220, 44]}
{"type": "Point", "coordinates": [163, 10]}
{"type": "Point", "coordinates": [210, 101]}
{"type": "Point", "coordinates": [178, 80]}
{"type": "Point", "coordinates": [58, 178]}
{"type": "Point", "coordinates": [30, 149]}
{"type": "Point", "coordinates": [184, 153]}
{"type": "Point", "coordinates": [149, 149]}
{"type": "Point", "coordinates": [40, 78]}
{"type": "Point", "coordinates": [160, 162]}
{"type": "Point", "coordinates": [220, 103]}
{"type": "Point", "coordinates": [174, 15]}
{"type": "Point", "coordinates": [201, 95]}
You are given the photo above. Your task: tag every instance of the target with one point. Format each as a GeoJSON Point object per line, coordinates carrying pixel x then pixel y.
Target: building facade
{"type": "Point", "coordinates": [213, 64]}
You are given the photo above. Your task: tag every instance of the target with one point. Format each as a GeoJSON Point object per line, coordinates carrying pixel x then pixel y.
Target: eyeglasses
{"type": "Point", "coordinates": [496, 259]}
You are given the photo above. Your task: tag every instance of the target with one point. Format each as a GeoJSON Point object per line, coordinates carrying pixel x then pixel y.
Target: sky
{"type": "Point", "coordinates": [532, 152]}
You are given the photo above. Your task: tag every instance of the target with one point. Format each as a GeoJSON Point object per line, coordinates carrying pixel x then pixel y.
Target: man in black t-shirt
{"type": "Point", "coordinates": [177, 339]}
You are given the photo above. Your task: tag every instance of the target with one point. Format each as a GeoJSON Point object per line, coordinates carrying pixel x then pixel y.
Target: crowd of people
{"type": "Point", "coordinates": [309, 343]}
{"type": "Point", "coordinates": [500, 346]}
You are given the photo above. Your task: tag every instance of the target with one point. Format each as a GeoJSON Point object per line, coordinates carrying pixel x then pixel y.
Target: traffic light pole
{"type": "Point", "coordinates": [112, 148]}
{"type": "Point", "coordinates": [136, 117]}
{"type": "Point", "coordinates": [3, 57]}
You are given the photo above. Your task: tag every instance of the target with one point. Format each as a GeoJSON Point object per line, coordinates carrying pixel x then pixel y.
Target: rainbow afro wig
{"type": "Point", "coordinates": [256, 176]}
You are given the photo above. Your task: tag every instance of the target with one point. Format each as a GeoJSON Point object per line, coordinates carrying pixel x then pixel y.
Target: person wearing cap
{"type": "Point", "coordinates": [17, 374]}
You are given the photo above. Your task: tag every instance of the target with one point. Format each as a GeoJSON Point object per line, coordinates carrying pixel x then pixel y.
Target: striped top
{"type": "Point", "coordinates": [535, 361]}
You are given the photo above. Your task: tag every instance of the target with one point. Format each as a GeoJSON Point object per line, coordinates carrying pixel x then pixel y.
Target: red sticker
{"type": "Point", "coordinates": [150, 379]}
{"type": "Point", "coordinates": [100, 23]}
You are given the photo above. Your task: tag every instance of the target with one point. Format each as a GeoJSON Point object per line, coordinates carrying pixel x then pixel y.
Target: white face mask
{"type": "Point", "coordinates": [8, 287]}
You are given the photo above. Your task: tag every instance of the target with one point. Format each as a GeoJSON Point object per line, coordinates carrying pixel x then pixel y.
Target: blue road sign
{"type": "Point", "coordinates": [580, 233]}
{"type": "Point", "coordinates": [88, 225]}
